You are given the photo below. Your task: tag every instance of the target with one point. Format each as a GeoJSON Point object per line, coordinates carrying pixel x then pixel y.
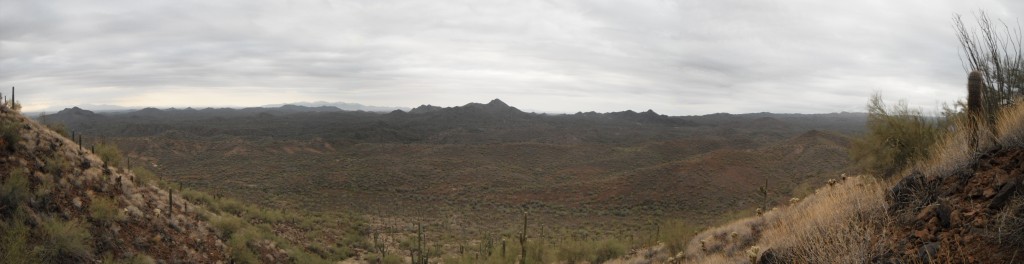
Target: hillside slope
{"type": "Point", "coordinates": [84, 209]}
{"type": "Point", "coordinates": [63, 203]}
{"type": "Point", "coordinates": [965, 205]}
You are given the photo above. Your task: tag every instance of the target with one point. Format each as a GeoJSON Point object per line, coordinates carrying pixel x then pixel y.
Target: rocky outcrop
{"type": "Point", "coordinates": [972, 215]}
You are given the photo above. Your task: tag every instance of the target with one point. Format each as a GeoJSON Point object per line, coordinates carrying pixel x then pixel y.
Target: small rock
{"type": "Point", "coordinates": [923, 235]}
{"type": "Point", "coordinates": [926, 214]}
{"type": "Point", "coordinates": [943, 211]}
{"type": "Point", "coordinates": [988, 193]}
{"type": "Point", "coordinates": [769, 256]}
{"type": "Point", "coordinates": [955, 219]}
{"type": "Point", "coordinates": [927, 252]}
{"type": "Point", "coordinates": [1002, 196]}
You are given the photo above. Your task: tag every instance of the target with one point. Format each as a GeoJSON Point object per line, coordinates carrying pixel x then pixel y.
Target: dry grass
{"type": "Point", "coordinates": [952, 151]}
{"type": "Point", "coordinates": [1010, 125]}
{"type": "Point", "coordinates": [837, 224]}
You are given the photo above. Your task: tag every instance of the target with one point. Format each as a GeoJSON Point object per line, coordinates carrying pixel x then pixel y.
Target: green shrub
{"type": "Point", "coordinates": [14, 245]}
{"type": "Point", "coordinates": [574, 252]}
{"type": "Point", "coordinates": [590, 251]}
{"type": "Point", "coordinates": [231, 206]}
{"type": "Point", "coordinates": [105, 210]}
{"type": "Point", "coordinates": [110, 154]}
{"type": "Point", "coordinates": [239, 245]}
{"type": "Point", "coordinates": [392, 259]}
{"type": "Point", "coordinates": [55, 166]}
{"type": "Point", "coordinates": [133, 259]}
{"type": "Point", "coordinates": [64, 242]}
{"type": "Point", "coordinates": [897, 137]}
{"type": "Point", "coordinates": [59, 128]}
{"type": "Point", "coordinates": [306, 257]}
{"type": "Point", "coordinates": [264, 215]}
{"type": "Point", "coordinates": [14, 190]}
{"type": "Point", "coordinates": [198, 197]}
{"type": "Point", "coordinates": [675, 234]}
{"type": "Point", "coordinates": [227, 225]}
{"type": "Point", "coordinates": [607, 250]}
{"type": "Point", "coordinates": [143, 176]}
{"type": "Point", "coordinates": [10, 135]}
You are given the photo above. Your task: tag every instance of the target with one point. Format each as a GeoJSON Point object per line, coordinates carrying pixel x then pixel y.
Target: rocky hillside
{"type": "Point", "coordinates": [69, 205]}
{"type": "Point", "coordinates": [974, 214]}
{"type": "Point", "coordinates": [963, 205]}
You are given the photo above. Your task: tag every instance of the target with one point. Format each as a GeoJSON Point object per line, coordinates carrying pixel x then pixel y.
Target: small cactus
{"type": "Point", "coordinates": [753, 253]}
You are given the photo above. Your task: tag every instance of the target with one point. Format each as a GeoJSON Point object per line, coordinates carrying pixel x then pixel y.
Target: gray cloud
{"type": "Point", "coordinates": [676, 57]}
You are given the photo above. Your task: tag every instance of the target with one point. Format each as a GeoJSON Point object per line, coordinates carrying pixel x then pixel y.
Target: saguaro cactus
{"type": "Point", "coordinates": [522, 237]}
{"type": "Point", "coordinates": [975, 86]}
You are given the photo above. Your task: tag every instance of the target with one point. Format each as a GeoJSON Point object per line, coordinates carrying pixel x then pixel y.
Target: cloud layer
{"type": "Point", "coordinates": [676, 57]}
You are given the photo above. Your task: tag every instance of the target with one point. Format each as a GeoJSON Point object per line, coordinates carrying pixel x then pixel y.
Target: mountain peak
{"type": "Point", "coordinates": [424, 109]}
{"type": "Point", "coordinates": [497, 103]}
{"type": "Point", "coordinates": [75, 111]}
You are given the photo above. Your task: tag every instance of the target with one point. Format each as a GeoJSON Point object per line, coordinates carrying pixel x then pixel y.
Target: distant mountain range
{"type": "Point", "coordinates": [318, 104]}
{"type": "Point", "coordinates": [344, 106]}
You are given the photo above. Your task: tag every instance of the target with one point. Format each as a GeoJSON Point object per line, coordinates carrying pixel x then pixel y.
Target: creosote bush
{"type": "Point", "coordinates": [110, 154]}
{"type": "Point", "coordinates": [14, 191]}
{"type": "Point", "coordinates": [105, 210]}
{"type": "Point", "coordinates": [14, 242]}
{"type": "Point", "coordinates": [897, 137]}
{"type": "Point", "coordinates": [59, 128]}
{"type": "Point", "coordinates": [10, 135]}
{"type": "Point", "coordinates": [144, 176]}
{"type": "Point", "coordinates": [65, 241]}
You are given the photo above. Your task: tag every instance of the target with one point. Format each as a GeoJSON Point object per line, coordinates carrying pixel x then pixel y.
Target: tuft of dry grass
{"type": "Point", "coordinates": [837, 224]}
{"type": "Point", "coordinates": [840, 224]}
{"type": "Point", "coordinates": [1010, 125]}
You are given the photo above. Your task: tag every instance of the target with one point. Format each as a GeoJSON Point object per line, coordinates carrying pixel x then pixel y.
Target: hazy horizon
{"type": "Point", "coordinates": [674, 57]}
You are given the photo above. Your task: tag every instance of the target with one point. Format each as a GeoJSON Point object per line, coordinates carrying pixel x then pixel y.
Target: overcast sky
{"type": "Point", "coordinates": [675, 57]}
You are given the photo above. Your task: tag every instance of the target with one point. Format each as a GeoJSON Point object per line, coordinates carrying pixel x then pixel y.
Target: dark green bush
{"type": "Point", "coordinates": [10, 135]}
{"type": "Point", "coordinates": [14, 242]}
{"type": "Point", "coordinates": [110, 154]}
{"type": "Point", "coordinates": [105, 210]}
{"type": "Point", "coordinates": [14, 191]}
{"type": "Point", "coordinates": [897, 137]}
{"type": "Point", "coordinates": [143, 176]}
{"type": "Point", "coordinates": [55, 166]}
{"type": "Point", "coordinates": [65, 242]}
{"type": "Point", "coordinates": [59, 128]}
